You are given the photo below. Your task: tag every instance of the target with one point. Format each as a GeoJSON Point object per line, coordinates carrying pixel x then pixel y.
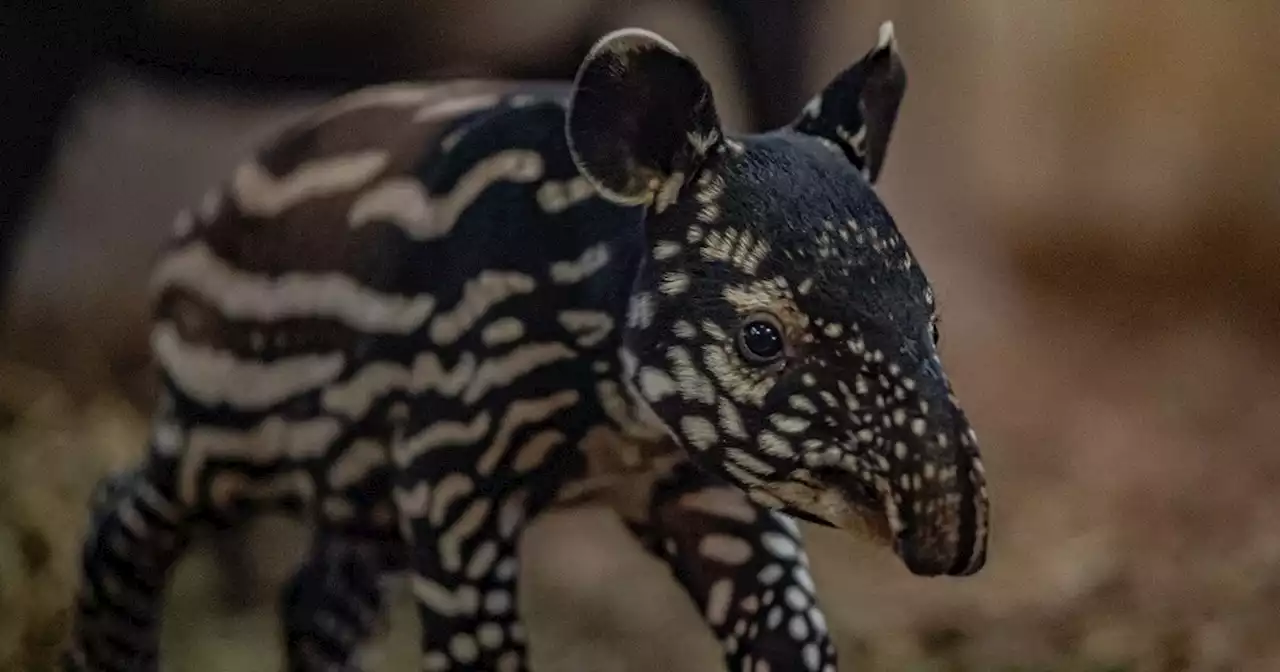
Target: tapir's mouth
{"type": "Point", "coordinates": [933, 531]}
{"type": "Point", "coordinates": [835, 498]}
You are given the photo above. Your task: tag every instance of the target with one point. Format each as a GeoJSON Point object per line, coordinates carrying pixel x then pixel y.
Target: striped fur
{"type": "Point", "coordinates": [426, 314]}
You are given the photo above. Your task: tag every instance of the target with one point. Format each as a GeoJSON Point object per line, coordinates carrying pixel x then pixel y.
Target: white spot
{"type": "Point", "coordinates": [819, 621]}
{"type": "Point", "coordinates": [813, 108]}
{"type": "Point", "coordinates": [699, 431]}
{"type": "Point", "coordinates": [718, 245]}
{"type": "Point", "coordinates": [183, 223]}
{"type": "Point", "coordinates": [502, 331]}
{"type": "Point", "coordinates": [812, 656]}
{"type": "Point", "coordinates": [210, 205]}
{"type": "Point", "coordinates": [666, 249]}
{"type": "Point", "coordinates": [803, 404]}
{"type": "Point", "coordinates": [674, 283]}
{"type": "Point", "coordinates": [434, 596]}
{"type": "Point", "coordinates": [780, 546]}
{"type": "Point", "coordinates": [668, 191]}
{"type": "Point", "coordinates": [497, 602]}
{"type": "Point", "coordinates": [803, 578]}
{"type": "Point", "coordinates": [655, 384]}
{"type": "Point", "coordinates": [590, 327]}
{"type": "Point", "coordinates": [796, 598]}
{"type": "Point", "coordinates": [555, 197]}
{"type": "Point", "coordinates": [789, 424]}
{"type": "Point", "coordinates": [412, 503]}
{"type": "Point", "coordinates": [640, 311]}
{"type": "Point", "coordinates": [775, 445]}
{"type": "Point", "coordinates": [774, 619]}
{"type": "Point", "coordinates": [507, 569]}
{"type": "Point", "coordinates": [770, 574]}
{"type": "Point", "coordinates": [481, 560]}
{"type": "Point", "coordinates": [693, 385]}
{"type": "Point", "coordinates": [463, 648]}
{"type": "Point", "coordinates": [725, 549]}
{"type": "Point", "coordinates": [356, 462]}
{"type": "Point", "coordinates": [748, 461]}
{"type": "Point", "coordinates": [435, 661]}
{"type": "Point", "coordinates": [489, 635]}
{"type": "Point", "coordinates": [721, 502]}
{"type": "Point", "coordinates": [731, 420]}
{"type": "Point", "coordinates": [718, 600]}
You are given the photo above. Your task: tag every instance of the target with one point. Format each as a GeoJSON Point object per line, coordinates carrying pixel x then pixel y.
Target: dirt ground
{"type": "Point", "coordinates": [1119, 361]}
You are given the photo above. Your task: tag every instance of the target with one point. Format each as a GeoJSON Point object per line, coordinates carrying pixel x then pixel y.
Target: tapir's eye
{"type": "Point", "coordinates": [760, 340]}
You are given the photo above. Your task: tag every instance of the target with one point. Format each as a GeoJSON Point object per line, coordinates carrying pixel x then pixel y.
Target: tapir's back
{"type": "Point", "coordinates": [343, 235]}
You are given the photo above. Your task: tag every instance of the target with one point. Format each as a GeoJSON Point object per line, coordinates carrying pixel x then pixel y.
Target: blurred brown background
{"type": "Point", "coordinates": [1092, 185]}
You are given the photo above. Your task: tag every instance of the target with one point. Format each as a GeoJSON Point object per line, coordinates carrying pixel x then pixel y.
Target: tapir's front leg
{"type": "Point", "coordinates": [745, 568]}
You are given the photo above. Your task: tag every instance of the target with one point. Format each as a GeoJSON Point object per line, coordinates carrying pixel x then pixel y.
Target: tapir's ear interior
{"type": "Point", "coordinates": [641, 118]}
{"type": "Point", "coordinates": [858, 108]}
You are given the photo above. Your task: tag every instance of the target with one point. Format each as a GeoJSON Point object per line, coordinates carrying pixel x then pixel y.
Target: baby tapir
{"type": "Point", "coordinates": [425, 314]}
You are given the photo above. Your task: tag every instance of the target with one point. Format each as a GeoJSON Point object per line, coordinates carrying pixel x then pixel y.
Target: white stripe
{"type": "Point", "coordinates": [456, 107]}
{"type": "Point", "coordinates": [498, 372]}
{"type": "Point", "coordinates": [258, 192]}
{"type": "Point", "coordinates": [479, 295]}
{"type": "Point", "coordinates": [434, 596]}
{"type": "Point", "coordinates": [590, 327]}
{"type": "Point", "coordinates": [241, 295]}
{"type": "Point", "coordinates": [592, 259]}
{"type": "Point", "coordinates": [228, 487]}
{"type": "Point", "coordinates": [356, 462]}
{"type": "Point", "coordinates": [442, 434]}
{"type": "Point", "coordinates": [392, 95]}
{"type": "Point", "coordinates": [272, 439]}
{"type": "Point", "coordinates": [521, 413]}
{"type": "Point", "coordinates": [403, 201]}
{"type": "Point", "coordinates": [215, 376]}
{"type": "Point", "coordinates": [353, 397]}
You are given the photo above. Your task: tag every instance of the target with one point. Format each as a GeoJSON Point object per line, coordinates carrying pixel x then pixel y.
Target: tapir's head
{"type": "Point", "coordinates": [780, 328]}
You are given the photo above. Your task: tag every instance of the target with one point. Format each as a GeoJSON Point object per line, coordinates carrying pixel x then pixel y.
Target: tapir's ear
{"type": "Point", "coordinates": [641, 118]}
{"type": "Point", "coordinates": [859, 106]}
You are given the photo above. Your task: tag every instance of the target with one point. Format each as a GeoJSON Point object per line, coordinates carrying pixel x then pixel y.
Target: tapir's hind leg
{"type": "Point", "coordinates": [196, 473]}
{"type": "Point", "coordinates": [333, 604]}
{"type": "Point", "coordinates": [137, 532]}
